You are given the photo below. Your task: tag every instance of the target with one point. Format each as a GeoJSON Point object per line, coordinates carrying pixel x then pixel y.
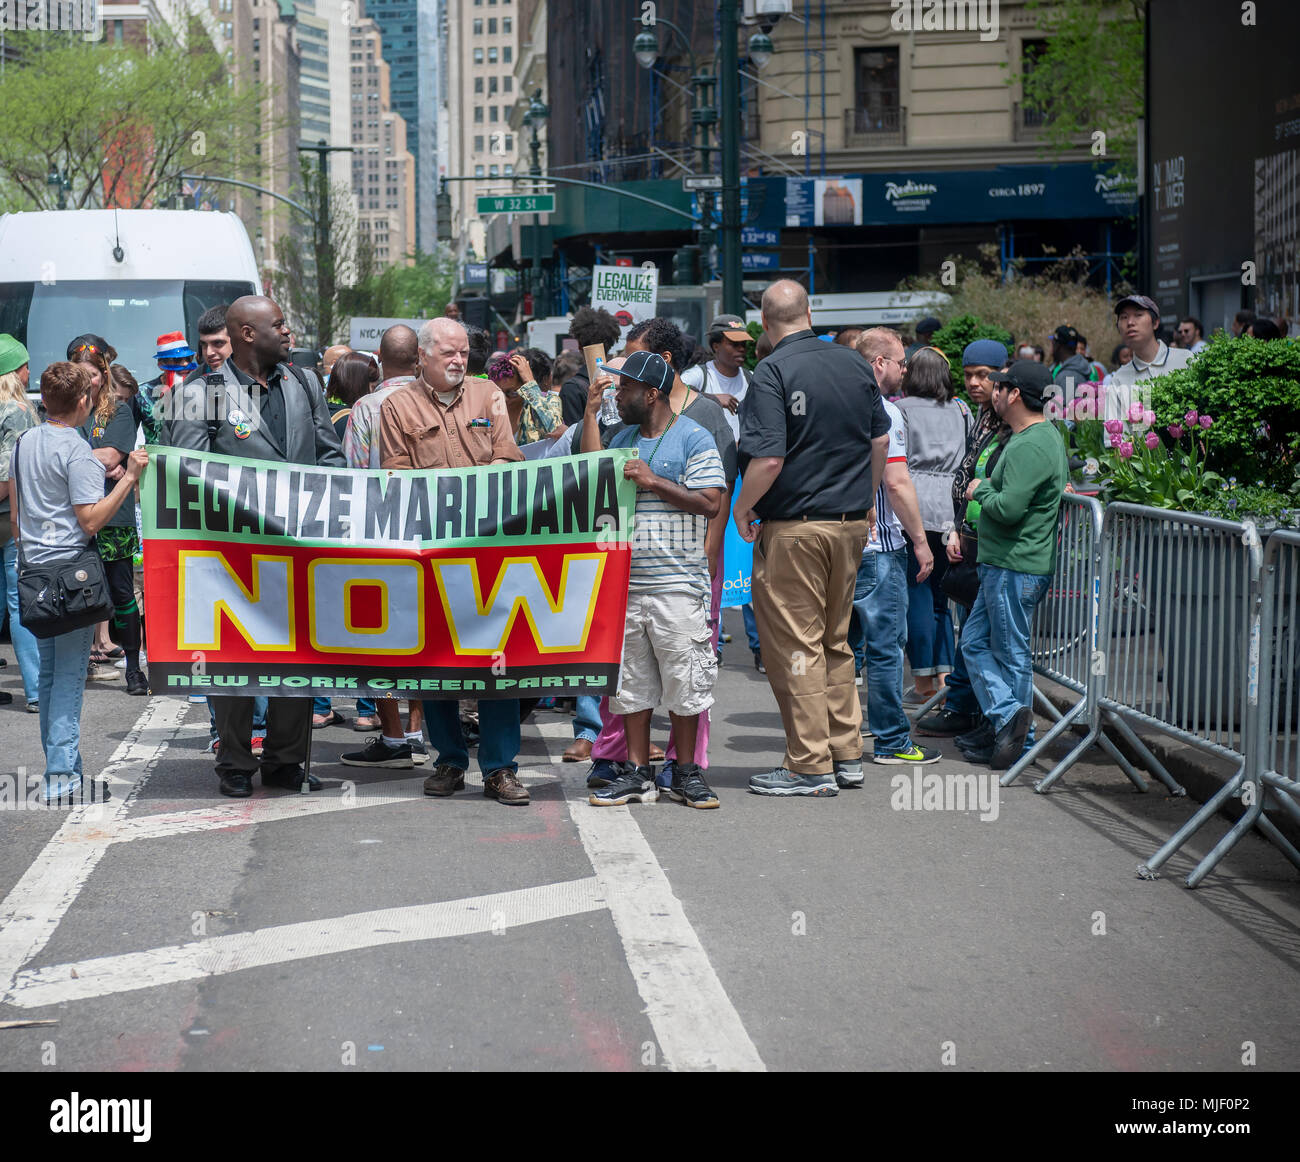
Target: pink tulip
{"type": "Point", "coordinates": [1190, 418]}
{"type": "Point", "coordinates": [1153, 441]}
{"type": "Point", "coordinates": [1115, 440]}
{"type": "Point", "coordinates": [1085, 409]}
{"type": "Point", "coordinates": [1148, 418]}
{"type": "Point", "coordinates": [1114, 427]}
{"type": "Point", "coordinates": [1126, 450]}
{"type": "Point", "coordinates": [1206, 421]}
{"type": "Point", "coordinates": [1135, 413]}
{"type": "Point", "coordinates": [1176, 430]}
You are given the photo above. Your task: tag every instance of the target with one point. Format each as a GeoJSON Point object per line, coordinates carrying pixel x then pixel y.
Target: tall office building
{"type": "Point", "coordinates": [314, 75]}
{"type": "Point", "coordinates": [413, 51]}
{"type": "Point", "coordinates": [383, 170]}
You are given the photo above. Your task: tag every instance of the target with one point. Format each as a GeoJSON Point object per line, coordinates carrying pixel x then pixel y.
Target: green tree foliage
{"type": "Point", "coordinates": [121, 121]}
{"type": "Point", "coordinates": [957, 334]}
{"type": "Point", "coordinates": [1090, 75]}
{"type": "Point", "coordinates": [1251, 388]}
{"type": "Point", "coordinates": [418, 291]}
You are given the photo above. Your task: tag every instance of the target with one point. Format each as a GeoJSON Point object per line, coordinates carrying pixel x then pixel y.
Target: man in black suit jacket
{"type": "Point", "coordinates": [261, 411]}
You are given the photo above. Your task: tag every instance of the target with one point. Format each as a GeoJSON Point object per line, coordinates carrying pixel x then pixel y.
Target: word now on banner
{"type": "Point", "coordinates": [285, 579]}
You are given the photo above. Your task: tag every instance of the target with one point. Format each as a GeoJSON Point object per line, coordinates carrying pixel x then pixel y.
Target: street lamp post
{"type": "Point", "coordinates": [703, 117]}
{"type": "Point", "coordinates": [535, 118]}
{"type": "Point", "coordinates": [58, 180]}
{"type": "Point", "coordinates": [325, 281]}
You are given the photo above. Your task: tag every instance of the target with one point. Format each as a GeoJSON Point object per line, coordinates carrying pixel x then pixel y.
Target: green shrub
{"type": "Point", "coordinates": [1252, 389]}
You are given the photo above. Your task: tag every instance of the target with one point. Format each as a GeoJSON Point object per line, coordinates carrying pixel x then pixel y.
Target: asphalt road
{"type": "Point", "coordinates": [366, 927]}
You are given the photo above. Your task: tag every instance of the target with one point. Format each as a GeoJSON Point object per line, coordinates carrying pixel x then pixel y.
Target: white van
{"type": "Point", "coordinates": [126, 275]}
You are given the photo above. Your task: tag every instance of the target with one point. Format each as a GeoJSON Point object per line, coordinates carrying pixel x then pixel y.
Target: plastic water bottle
{"type": "Point", "coordinates": [608, 407]}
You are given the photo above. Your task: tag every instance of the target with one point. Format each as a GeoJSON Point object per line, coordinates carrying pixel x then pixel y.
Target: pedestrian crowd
{"type": "Point", "coordinates": [879, 504]}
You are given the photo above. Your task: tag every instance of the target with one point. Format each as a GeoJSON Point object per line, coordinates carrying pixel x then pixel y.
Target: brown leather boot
{"type": "Point", "coordinates": [505, 787]}
{"type": "Point", "coordinates": [579, 751]}
{"type": "Point", "coordinates": [445, 780]}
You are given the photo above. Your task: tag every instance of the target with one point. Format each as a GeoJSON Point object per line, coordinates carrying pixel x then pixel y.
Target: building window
{"type": "Point", "coordinates": [478, 115]}
{"type": "Point", "coordinates": [492, 113]}
{"type": "Point", "coordinates": [510, 143]}
{"type": "Point", "coordinates": [506, 54]}
{"type": "Point", "coordinates": [506, 22]}
{"type": "Point", "coordinates": [493, 172]}
{"type": "Point", "coordinates": [478, 171]}
{"type": "Point", "coordinates": [478, 27]}
{"type": "Point", "coordinates": [1031, 52]}
{"type": "Point", "coordinates": [508, 83]}
{"type": "Point", "coordinates": [877, 111]}
{"type": "Point", "coordinates": [492, 26]}
{"type": "Point", "coordinates": [510, 170]}
{"type": "Point", "coordinates": [492, 55]}
{"type": "Point", "coordinates": [478, 143]}
{"type": "Point", "coordinates": [478, 84]}
{"type": "Point", "coordinates": [492, 85]}
{"type": "Point", "coordinates": [478, 56]}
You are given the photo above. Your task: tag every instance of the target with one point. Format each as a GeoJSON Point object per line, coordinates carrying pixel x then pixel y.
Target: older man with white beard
{"type": "Point", "coordinates": [441, 419]}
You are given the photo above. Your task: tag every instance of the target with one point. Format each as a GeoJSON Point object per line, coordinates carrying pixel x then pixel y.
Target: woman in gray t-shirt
{"type": "Point", "coordinates": [59, 505]}
{"type": "Point", "coordinates": [937, 429]}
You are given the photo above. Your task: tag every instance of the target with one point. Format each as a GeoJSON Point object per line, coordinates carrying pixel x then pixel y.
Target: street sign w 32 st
{"type": "Point", "coordinates": [514, 204]}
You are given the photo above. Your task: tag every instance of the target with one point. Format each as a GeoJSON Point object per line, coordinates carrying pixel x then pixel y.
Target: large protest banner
{"type": "Point", "coordinates": [279, 579]}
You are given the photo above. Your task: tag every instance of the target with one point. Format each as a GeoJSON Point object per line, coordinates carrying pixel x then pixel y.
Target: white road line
{"type": "Point", "coordinates": [694, 1020]}
{"type": "Point", "coordinates": [131, 971]}
{"type": "Point", "coordinates": [32, 910]}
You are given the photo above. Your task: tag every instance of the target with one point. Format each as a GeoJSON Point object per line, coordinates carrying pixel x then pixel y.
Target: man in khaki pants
{"type": "Point", "coordinates": [813, 441]}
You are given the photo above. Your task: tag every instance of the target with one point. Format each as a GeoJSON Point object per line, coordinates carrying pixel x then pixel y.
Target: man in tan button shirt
{"type": "Point", "coordinates": [443, 420]}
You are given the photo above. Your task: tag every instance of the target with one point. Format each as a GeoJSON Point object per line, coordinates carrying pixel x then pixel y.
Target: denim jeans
{"type": "Point", "coordinates": [880, 602]}
{"type": "Point", "coordinates": [62, 683]}
{"type": "Point", "coordinates": [586, 722]}
{"type": "Point", "coordinates": [995, 641]}
{"type": "Point", "coordinates": [29, 657]}
{"type": "Point", "coordinates": [929, 626]}
{"type": "Point", "coordinates": [498, 727]}
{"type": "Point", "coordinates": [259, 718]}
{"type": "Point", "coordinates": [751, 627]}
{"type": "Point", "coordinates": [365, 707]}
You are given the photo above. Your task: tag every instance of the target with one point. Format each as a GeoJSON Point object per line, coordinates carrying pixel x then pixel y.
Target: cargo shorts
{"type": "Point", "coordinates": [668, 657]}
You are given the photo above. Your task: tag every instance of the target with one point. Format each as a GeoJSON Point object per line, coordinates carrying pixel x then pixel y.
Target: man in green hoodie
{"type": "Point", "coordinates": [1019, 505]}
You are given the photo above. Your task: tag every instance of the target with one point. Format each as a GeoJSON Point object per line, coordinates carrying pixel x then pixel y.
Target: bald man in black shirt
{"type": "Point", "coordinates": [813, 441]}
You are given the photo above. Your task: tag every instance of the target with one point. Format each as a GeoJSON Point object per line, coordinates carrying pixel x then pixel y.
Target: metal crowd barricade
{"type": "Point", "coordinates": [1272, 748]}
{"type": "Point", "coordinates": [1064, 646]}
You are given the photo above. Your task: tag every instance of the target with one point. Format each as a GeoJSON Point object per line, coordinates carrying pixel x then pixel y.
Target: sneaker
{"type": "Point", "coordinates": [255, 744]}
{"type": "Point", "coordinates": [199, 698]}
{"type": "Point", "coordinates": [632, 785]}
{"type": "Point", "coordinates": [213, 747]}
{"type": "Point", "coordinates": [857, 677]}
{"type": "Point", "coordinates": [688, 786]}
{"type": "Point", "coordinates": [602, 773]}
{"type": "Point", "coordinates": [849, 774]}
{"type": "Point", "coordinates": [419, 752]}
{"type": "Point", "coordinates": [783, 782]}
{"type": "Point", "coordinates": [980, 738]}
{"type": "Point", "coordinates": [137, 683]}
{"type": "Point", "coordinates": [758, 662]}
{"type": "Point", "coordinates": [33, 707]}
{"type": "Point", "coordinates": [74, 793]}
{"type": "Point", "coordinates": [912, 756]}
{"type": "Point", "coordinates": [379, 754]}
{"type": "Point", "coordinates": [724, 638]}
{"type": "Point", "coordinates": [102, 672]}
{"type": "Point", "coordinates": [944, 723]}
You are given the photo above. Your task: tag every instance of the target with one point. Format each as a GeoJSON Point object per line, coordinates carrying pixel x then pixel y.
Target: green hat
{"type": "Point", "coordinates": [12, 354]}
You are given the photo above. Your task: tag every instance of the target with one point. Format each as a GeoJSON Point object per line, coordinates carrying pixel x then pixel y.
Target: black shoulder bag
{"type": "Point", "coordinates": [62, 595]}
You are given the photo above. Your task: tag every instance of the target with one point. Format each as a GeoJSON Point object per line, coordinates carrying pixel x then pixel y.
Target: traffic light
{"type": "Point", "coordinates": [686, 266]}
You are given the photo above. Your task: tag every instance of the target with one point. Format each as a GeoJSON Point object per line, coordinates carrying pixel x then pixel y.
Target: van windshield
{"type": "Point", "coordinates": [129, 315]}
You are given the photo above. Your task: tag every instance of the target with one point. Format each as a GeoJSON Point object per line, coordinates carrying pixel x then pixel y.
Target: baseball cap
{"type": "Point", "coordinates": [1031, 377]}
{"type": "Point", "coordinates": [928, 326]}
{"type": "Point", "coordinates": [984, 352]}
{"type": "Point", "coordinates": [12, 354]}
{"type": "Point", "coordinates": [1066, 336]}
{"type": "Point", "coordinates": [1139, 301]}
{"type": "Point", "coordinates": [730, 327]}
{"type": "Point", "coordinates": [648, 369]}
